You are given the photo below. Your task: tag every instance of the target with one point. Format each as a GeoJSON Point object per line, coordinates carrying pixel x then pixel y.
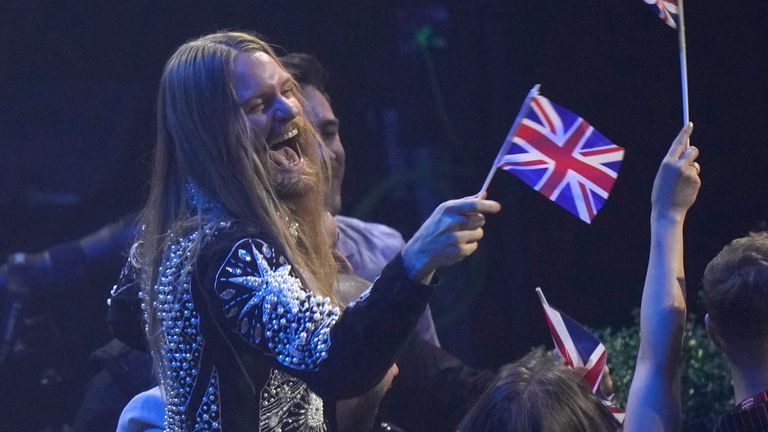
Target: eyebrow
{"type": "Point", "coordinates": [286, 80]}
{"type": "Point", "coordinates": [261, 95]}
{"type": "Point", "coordinates": [252, 98]}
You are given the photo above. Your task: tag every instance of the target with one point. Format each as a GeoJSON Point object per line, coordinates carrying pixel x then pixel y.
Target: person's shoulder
{"type": "Point", "coordinates": [234, 240]}
{"type": "Point", "coordinates": [227, 235]}
{"type": "Point", "coordinates": [145, 412]}
{"type": "Point", "coordinates": [229, 231]}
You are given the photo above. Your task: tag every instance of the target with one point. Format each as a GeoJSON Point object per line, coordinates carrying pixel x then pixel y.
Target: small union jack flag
{"type": "Point", "coordinates": [560, 155]}
{"type": "Point", "coordinates": [575, 344]}
{"type": "Point", "coordinates": [581, 350]}
{"type": "Point", "coordinates": [666, 10]}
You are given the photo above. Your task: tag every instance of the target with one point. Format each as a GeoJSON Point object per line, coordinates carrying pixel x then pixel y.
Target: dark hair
{"type": "Point", "coordinates": [306, 70]}
{"type": "Point", "coordinates": [736, 288]}
{"type": "Point", "coordinates": [538, 394]}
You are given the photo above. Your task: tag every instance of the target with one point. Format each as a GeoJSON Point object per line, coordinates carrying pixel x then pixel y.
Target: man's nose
{"type": "Point", "coordinates": [286, 110]}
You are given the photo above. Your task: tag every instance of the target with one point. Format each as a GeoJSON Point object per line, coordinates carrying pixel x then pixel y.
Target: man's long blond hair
{"type": "Point", "coordinates": [204, 137]}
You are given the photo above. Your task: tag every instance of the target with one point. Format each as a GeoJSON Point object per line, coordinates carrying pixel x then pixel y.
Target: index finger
{"type": "Point", "coordinates": [473, 205]}
{"type": "Point", "coordinates": [679, 144]}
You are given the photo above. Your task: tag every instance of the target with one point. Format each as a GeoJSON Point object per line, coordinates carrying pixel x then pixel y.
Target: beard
{"type": "Point", "coordinates": [290, 185]}
{"type": "Point", "coordinates": [290, 173]}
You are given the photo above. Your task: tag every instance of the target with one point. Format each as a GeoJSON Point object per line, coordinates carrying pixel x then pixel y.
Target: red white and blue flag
{"type": "Point", "coordinates": [580, 350]}
{"type": "Point", "coordinates": [560, 155]}
{"type": "Point", "coordinates": [666, 10]}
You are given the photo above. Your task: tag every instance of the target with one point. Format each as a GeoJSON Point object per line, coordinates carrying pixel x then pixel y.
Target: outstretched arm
{"type": "Point", "coordinates": [259, 297]}
{"type": "Point", "coordinates": [654, 397]}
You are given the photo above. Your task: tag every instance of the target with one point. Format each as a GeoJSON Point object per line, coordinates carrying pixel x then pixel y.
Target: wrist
{"type": "Point", "coordinates": [423, 277]}
{"type": "Point", "coordinates": [667, 217]}
{"type": "Point", "coordinates": [416, 268]}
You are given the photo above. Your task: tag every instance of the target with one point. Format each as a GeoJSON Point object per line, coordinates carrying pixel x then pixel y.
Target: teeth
{"type": "Point", "coordinates": [290, 134]}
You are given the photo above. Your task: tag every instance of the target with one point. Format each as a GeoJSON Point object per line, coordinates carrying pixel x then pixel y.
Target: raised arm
{"type": "Point", "coordinates": [654, 397]}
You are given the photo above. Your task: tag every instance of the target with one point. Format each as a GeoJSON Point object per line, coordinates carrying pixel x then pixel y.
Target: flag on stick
{"type": "Point", "coordinates": [666, 10]}
{"type": "Point", "coordinates": [577, 346]}
{"type": "Point", "coordinates": [671, 11]}
{"type": "Point", "coordinates": [580, 350]}
{"type": "Point", "coordinates": [560, 155]}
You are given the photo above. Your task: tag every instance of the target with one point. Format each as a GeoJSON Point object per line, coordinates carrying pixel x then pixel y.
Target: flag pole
{"type": "Point", "coordinates": [508, 141]}
{"type": "Point", "coordinates": [541, 295]}
{"type": "Point", "coordinates": [683, 61]}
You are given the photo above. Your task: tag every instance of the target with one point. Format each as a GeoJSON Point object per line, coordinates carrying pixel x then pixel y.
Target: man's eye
{"type": "Point", "coordinates": [329, 132]}
{"type": "Point", "coordinates": [255, 108]}
{"type": "Point", "coordinates": [288, 91]}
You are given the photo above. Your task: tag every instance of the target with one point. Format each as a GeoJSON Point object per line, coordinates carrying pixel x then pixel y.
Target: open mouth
{"type": "Point", "coordinates": [284, 151]}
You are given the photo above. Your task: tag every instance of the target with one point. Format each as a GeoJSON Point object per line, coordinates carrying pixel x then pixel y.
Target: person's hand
{"type": "Point", "coordinates": [606, 383]}
{"type": "Point", "coordinates": [448, 236]}
{"type": "Point", "coordinates": [677, 182]}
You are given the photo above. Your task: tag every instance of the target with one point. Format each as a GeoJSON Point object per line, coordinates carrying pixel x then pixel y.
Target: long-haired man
{"type": "Point", "coordinates": [237, 272]}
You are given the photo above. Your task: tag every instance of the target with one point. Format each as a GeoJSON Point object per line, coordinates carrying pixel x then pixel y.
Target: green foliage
{"type": "Point", "coordinates": [706, 385]}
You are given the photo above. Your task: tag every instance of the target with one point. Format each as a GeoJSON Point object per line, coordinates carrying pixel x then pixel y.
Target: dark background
{"type": "Point", "coordinates": [77, 124]}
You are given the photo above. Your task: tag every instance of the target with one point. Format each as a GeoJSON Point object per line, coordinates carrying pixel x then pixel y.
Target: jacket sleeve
{"type": "Point", "coordinates": [337, 354]}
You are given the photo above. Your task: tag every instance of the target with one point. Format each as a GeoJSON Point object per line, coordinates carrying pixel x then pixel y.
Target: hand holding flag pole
{"type": "Point", "coordinates": [508, 140]}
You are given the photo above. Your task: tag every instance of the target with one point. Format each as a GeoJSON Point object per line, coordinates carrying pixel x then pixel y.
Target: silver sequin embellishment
{"type": "Point", "coordinates": [208, 417]}
{"type": "Point", "coordinates": [182, 343]}
{"type": "Point", "coordinates": [296, 324]}
{"type": "Point", "coordinates": [288, 405]}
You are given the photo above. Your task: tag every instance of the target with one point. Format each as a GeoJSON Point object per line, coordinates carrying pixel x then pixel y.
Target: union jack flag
{"type": "Point", "coordinates": [666, 10]}
{"type": "Point", "coordinates": [575, 344]}
{"type": "Point", "coordinates": [560, 155]}
{"type": "Point", "coordinates": [580, 349]}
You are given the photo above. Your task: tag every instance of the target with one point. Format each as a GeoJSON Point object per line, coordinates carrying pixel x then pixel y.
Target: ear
{"type": "Point", "coordinates": [712, 331]}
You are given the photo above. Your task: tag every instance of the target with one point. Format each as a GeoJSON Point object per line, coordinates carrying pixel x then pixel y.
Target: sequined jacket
{"type": "Point", "coordinates": [247, 348]}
